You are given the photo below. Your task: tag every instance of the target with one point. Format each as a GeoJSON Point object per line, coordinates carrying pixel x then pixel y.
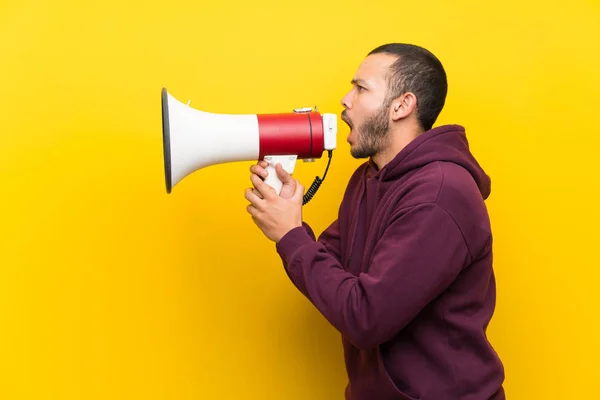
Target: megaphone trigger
{"type": "Point", "coordinates": [194, 139]}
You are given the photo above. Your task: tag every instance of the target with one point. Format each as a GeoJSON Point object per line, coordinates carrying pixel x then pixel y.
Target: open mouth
{"type": "Point", "coordinates": [347, 120]}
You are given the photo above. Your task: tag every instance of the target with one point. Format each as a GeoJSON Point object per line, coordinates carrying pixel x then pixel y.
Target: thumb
{"type": "Point", "coordinates": [299, 192]}
{"type": "Point", "coordinates": [285, 177]}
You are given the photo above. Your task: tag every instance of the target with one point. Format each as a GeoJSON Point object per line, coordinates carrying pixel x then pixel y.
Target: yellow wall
{"type": "Point", "coordinates": [112, 289]}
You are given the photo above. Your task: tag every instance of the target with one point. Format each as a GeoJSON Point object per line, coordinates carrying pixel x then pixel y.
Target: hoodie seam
{"type": "Point", "coordinates": [441, 183]}
{"type": "Point", "coordinates": [446, 211]}
{"type": "Point", "coordinates": [462, 234]}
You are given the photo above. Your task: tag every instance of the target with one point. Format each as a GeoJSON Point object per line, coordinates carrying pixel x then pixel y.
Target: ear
{"type": "Point", "coordinates": [403, 106]}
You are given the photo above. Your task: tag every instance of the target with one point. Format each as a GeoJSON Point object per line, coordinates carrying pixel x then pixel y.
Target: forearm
{"type": "Point", "coordinates": [412, 263]}
{"type": "Point", "coordinates": [334, 292]}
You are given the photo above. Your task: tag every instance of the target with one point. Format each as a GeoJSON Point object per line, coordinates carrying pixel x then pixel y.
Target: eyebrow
{"type": "Point", "coordinates": [359, 81]}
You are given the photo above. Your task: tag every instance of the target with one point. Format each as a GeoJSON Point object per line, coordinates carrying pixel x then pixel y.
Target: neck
{"type": "Point", "coordinates": [399, 138]}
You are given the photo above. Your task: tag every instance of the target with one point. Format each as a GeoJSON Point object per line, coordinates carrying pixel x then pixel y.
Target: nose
{"type": "Point", "coordinates": [347, 101]}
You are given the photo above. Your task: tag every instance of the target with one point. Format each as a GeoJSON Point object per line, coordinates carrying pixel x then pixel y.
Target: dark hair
{"type": "Point", "coordinates": [418, 71]}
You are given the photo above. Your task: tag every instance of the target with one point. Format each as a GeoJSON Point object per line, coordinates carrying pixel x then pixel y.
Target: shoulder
{"type": "Point", "coordinates": [461, 198]}
{"type": "Point", "coordinates": [440, 182]}
{"type": "Point", "coordinates": [457, 187]}
{"type": "Point", "coordinates": [452, 189]}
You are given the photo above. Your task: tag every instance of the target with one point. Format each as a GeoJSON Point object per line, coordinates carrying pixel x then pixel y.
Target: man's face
{"type": "Point", "coordinates": [366, 110]}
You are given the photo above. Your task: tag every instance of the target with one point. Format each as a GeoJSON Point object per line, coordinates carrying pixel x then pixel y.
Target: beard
{"type": "Point", "coordinates": [372, 134]}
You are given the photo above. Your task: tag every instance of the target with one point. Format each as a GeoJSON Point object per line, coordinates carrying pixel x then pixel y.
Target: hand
{"type": "Point", "coordinates": [289, 184]}
{"type": "Point", "coordinates": [275, 214]}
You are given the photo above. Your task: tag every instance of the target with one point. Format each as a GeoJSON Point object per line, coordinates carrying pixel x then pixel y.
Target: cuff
{"type": "Point", "coordinates": [292, 241]}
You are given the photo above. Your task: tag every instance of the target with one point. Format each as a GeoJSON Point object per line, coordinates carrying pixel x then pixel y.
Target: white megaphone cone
{"type": "Point", "coordinates": [194, 139]}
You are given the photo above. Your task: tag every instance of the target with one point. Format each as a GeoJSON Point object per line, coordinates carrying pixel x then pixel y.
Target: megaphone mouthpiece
{"type": "Point", "coordinates": [194, 139]}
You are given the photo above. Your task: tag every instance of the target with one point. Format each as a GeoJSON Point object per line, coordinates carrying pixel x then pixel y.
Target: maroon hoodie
{"type": "Point", "coordinates": [405, 275]}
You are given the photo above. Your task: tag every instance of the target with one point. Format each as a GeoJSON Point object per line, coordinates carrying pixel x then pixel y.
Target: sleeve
{"type": "Point", "coordinates": [419, 255]}
{"type": "Point", "coordinates": [329, 240]}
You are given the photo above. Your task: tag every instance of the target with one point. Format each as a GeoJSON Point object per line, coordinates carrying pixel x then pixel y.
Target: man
{"type": "Point", "coordinates": [405, 271]}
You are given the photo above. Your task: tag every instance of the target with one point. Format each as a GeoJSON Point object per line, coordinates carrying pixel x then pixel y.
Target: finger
{"type": "Point", "coordinates": [257, 176]}
{"type": "Point", "coordinates": [265, 190]}
{"type": "Point", "coordinates": [259, 170]}
{"type": "Point", "coordinates": [257, 222]}
{"type": "Point", "coordinates": [259, 166]}
{"type": "Point", "coordinates": [257, 193]}
{"type": "Point", "coordinates": [253, 211]}
{"type": "Point", "coordinates": [255, 200]}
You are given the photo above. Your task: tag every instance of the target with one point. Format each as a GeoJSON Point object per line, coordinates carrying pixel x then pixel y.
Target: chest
{"type": "Point", "coordinates": [362, 226]}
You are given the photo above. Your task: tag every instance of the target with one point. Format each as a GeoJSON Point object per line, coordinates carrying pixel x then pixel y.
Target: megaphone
{"type": "Point", "coordinates": [195, 139]}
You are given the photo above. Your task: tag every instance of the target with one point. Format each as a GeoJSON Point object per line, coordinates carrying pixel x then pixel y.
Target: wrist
{"type": "Point", "coordinates": [285, 232]}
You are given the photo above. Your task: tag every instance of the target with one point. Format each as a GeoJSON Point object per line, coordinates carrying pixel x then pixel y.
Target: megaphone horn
{"type": "Point", "coordinates": [194, 139]}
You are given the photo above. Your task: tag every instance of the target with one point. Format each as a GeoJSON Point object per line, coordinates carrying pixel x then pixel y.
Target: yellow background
{"type": "Point", "coordinates": [112, 289]}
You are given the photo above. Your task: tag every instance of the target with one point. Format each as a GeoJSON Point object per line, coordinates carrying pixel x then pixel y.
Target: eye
{"type": "Point", "coordinates": [360, 88]}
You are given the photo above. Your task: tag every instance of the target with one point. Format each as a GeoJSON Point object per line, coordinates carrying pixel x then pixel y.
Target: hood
{"type": "Point", "coordinates": [444, 143]}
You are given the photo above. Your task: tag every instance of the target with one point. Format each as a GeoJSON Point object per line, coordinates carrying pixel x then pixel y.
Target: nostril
{"type": "Point", "coordinates": [345, 103]}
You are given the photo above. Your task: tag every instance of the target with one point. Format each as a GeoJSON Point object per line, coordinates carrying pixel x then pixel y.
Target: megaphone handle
{"type": "Point", "coordinates": [287, 162]}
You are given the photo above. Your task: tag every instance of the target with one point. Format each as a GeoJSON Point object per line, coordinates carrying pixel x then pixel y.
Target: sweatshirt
{"type": "Point", "coordinates": [405, 274]}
